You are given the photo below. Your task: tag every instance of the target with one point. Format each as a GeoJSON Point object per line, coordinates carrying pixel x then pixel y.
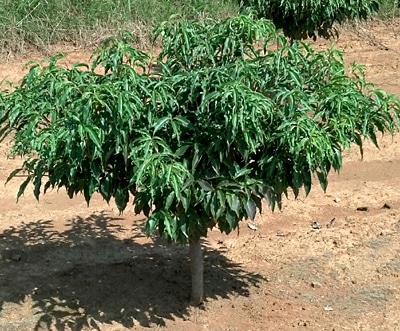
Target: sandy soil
{"type": "Point", "coordinates": [66, 266]}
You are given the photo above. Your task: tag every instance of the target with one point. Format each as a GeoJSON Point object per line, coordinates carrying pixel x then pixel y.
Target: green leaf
{"type": "Point", "coordinates": [121, 198]}
{"type": "Point", "coordinates": [170, 199]}
{"type": "Point", "coordinates": [232, 222]}
{"type": "Point", "coordinates": [296, 78]}
{"type": "Point", "coordinates": [94, 137]}
{"type": "Point", "coordinates": [251, 209]}
{"type": "Point", "coordinates": [151, 225]}
{"type": "Point", "coordinates": [323, 180]}
{"type": "Point", "coordinates": [234, 203]}
{"type": "Point", "coordinates": [170, 226]}
{"type": "Point", "coordinates": [176, 186]}
{"type": "Point", "coordinates": [106, 189]}
{"type": "Point", "coordinates": [37, 182]}
{"type": "Point", "coordinates": [160, 123]}
{"type": "Point", "coordinates": [13, 174]}
{"type": "Point", "coordinates": [184, 231]}
{"type": "Point", "coordinates": [146, 209]}
{"type": "Point", "coordinates": [205, 185]}
{"type": "Point", "coordinates": [186, 200]}
{"type": "Point", "coordinates": [182, 150]}
{"type": "Point", "coordinates": [23, 186]}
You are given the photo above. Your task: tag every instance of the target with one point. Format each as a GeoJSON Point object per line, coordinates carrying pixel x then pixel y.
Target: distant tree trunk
{"type": "Point", "coordinates": [197, 268]}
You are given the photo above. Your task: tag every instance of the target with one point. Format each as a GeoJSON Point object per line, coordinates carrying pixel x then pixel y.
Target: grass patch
{"type": "Point", "coordinates": [26, 24]}
{"type": "Point", "coordinates": [389, 9]}
{"type": "Point", "coordinates": [37, 24]}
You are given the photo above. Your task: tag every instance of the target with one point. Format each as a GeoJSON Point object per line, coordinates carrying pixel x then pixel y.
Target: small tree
{"type": "Point", "coordinates": [201, 142]}
{"type": "Point", "coordinates": [304, 19]}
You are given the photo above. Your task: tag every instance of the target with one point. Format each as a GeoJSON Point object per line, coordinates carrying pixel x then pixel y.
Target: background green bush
{"type": "Point", "coordinates": [36, 23]}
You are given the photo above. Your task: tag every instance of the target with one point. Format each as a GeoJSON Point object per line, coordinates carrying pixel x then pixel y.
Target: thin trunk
{"type": "Point", "coordinates": [197, 268]}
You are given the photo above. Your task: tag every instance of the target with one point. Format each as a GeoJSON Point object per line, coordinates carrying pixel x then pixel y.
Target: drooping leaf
{"type": "Point", "coordinates": [205, 185]}
{"type": "Point", "coordinates": [251, 209]}
{"type": "Point", "coordinates": [23, 186]}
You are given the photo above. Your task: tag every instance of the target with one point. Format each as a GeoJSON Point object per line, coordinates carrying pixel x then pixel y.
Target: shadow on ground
{"type": "Point", "coordinates": [86, 276]}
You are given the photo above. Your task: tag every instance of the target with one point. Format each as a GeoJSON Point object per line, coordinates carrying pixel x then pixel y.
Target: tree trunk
{"type": "Point", "coordinates": [197, 268]}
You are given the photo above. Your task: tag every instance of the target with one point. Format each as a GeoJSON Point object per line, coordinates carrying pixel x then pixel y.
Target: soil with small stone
{"type": "Point", "coordinates": [330, 261]}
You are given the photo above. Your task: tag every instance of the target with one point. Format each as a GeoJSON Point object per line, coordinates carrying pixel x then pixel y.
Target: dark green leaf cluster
{"type": "Point", "coordinates": [302, 19]}
{"type": "Point", "coordinates": [186, 46]}
{"type": "Point", "coordinates": [225, 122]}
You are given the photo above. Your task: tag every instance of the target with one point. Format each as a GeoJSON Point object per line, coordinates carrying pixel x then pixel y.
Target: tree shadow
{"type": "Point", "coordinates": [87, 276]}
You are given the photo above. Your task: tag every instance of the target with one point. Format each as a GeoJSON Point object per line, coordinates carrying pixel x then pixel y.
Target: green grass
{"type": "Point", "coordinates": [389, 9]}
{"type": "Point", "coordinates": [38, 23]}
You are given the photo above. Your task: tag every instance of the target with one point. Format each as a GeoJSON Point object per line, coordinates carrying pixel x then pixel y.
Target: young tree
{"type": "Point", "coordinates": [200, 143]}
{"type": "Point", "coordinates": [304, 19]}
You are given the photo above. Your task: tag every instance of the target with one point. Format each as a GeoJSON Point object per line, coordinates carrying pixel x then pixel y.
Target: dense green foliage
{"type": "Point", "coordinates": [200, 142]}
{"type": "Point", "coordinates": [311, 18]}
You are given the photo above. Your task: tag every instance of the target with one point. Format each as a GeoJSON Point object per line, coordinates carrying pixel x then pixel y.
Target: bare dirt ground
{"type": "Point", "coordinates": [66, 266]}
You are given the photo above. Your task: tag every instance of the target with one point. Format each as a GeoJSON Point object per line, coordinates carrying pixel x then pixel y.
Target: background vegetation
{"type": "Point", "coordinates": [389, 9]}
{"type": "Point", "coordinates": [38, 23]}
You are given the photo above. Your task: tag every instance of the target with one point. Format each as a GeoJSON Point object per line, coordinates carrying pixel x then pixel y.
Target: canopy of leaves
{"type": "Point", "coordinates": [302, 19]}
{"type": "Point", "coordinates": [199, 143]}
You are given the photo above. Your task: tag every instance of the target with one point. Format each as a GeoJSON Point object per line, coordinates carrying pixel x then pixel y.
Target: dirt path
{"type": "Point", "coordinates": [64, 266]}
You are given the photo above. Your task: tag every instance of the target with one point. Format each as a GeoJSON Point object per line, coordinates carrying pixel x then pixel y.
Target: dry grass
{"type": "Point", "coordinates": [27, 25]}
